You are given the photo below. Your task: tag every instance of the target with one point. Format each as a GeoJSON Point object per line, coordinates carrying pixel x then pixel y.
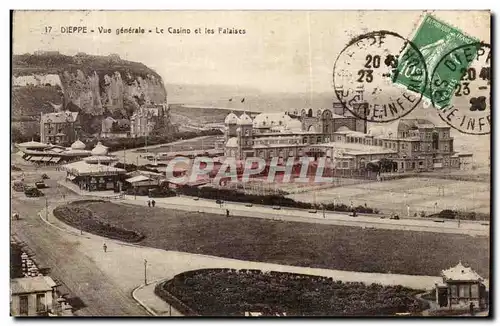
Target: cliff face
{"type": "Point", "coordinates": [96, 93]}
{"type": "Point", "coordinates": [94, 85]}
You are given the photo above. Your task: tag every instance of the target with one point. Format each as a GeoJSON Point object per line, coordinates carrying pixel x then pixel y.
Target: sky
{"type": "Point", "coordinates": [281, 51]}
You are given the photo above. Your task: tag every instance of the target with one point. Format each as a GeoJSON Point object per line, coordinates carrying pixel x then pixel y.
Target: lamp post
{"type": "Point", "coordinates": [46, 209]}
{"type": "Point", "coordinates": [145, 272]}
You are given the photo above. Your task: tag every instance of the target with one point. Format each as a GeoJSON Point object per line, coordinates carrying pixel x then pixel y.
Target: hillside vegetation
{"type": "Point", "coordinates": [27, 64]}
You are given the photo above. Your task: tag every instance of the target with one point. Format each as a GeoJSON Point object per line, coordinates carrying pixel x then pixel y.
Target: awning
{"type": "Point", "coordinates": [138, 178]}
{"type": "Point", "coordinates": [71, 177]}
{"type": "Point", "coordinates": [27, 158]}
{"type": "Point", "coordinates": [55, 159]}
{"type": "Point", "coordinates": [36, 158]}
{"type": "Point", "coordinates": [46, 158]}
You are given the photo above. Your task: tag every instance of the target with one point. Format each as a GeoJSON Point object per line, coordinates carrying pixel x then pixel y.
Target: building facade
{"type": "Point", "coordinates": [32, 296]}
{"type": "Point", "coordinates": [461, 287]}
{"type": "Point", "coordinates": [59, 127]}
{"type": "Point", "coordinates": [415, 144]}
{"type": "Point", "coordinates": [146, 118]}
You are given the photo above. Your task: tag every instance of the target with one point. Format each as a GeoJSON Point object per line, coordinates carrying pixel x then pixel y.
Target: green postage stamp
{"type": "Point", "coordinates": [434, 39]}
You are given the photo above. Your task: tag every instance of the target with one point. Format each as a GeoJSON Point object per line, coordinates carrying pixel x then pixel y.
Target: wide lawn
{"type": "Point", "coordinates": [298, 244]}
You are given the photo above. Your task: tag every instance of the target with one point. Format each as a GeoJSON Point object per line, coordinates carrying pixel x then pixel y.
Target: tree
{"type": "Point", "coordinates": [387, 165]}
{"type": "Point", "coordinates": [373, 167]}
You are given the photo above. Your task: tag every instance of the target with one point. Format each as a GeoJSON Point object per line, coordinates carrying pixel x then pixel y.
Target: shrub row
{"type": "Point", "coordinates": [231, 292]}
{"type": "Point", "coordinates": [470, 216]}
{"type": "Point", "coordinates": [272, 200]}
{"type": "Point", "coordinates": [83, 218]}
{"type": "Point", "coordinates": [161, 291]}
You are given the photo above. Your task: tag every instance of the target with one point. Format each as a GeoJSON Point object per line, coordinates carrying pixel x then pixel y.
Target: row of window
{"type": "Point", "coordinates": [464, 291]}
{"type": "Point", "coordinates": [24, 304]}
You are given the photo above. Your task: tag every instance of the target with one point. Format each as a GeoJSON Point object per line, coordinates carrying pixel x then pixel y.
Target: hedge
{"type": "Point", "coordinates": [230, 292]}
{"type": "Point", "coordinates": [83, 218]}
{"type": "Point", "coordinates": [459, 215]}
{"type": "Point", "coordinates": [271, 200]}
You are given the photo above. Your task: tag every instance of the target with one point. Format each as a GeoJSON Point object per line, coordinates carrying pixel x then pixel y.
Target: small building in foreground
{"type": "Point", "coordinates": [94, 177]}
{"type": "Point", "coordinates": [32, 296]}
{"type": "Point", "coordinates": [460, 287]}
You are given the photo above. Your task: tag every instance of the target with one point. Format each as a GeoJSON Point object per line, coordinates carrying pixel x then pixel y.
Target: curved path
{"type": "Point", "coordinates": [124, 263]}
{"type": "Point", "coordinates": [73, 264]}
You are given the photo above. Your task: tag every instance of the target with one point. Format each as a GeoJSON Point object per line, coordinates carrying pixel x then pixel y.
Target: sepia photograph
{"type": "Point", "coordinates": [319, 163]}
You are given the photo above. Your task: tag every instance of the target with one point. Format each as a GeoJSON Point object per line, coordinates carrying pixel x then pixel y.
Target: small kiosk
{"type": "Point", "coordinates": [460, 287]}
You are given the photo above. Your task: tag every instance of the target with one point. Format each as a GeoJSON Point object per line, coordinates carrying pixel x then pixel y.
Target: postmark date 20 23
{"type": "Point", "coordinates": [364, 75]}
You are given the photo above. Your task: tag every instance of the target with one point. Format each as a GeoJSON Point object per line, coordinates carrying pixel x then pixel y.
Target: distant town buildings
{"type": "Point", "coordinates": [59, 127]}
{"type": "Point", "coordinates": [144, 120]}
{"type": "Point", "coordinates": [115, 128]}
{"type": "Point", "coordinates": [414, 145]}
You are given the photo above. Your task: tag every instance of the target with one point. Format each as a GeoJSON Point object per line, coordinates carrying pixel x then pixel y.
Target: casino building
{"type": "Point", "coordinates": [412, 144]}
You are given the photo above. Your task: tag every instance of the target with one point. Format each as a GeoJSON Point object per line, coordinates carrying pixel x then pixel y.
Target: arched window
{"type": "Point", "coordinates": [310, 113]}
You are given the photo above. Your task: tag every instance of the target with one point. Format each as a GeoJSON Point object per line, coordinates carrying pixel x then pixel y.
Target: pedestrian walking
{"type": "Point", "coordinates": [471, 308]}
{"type": "Point", "coordinates": [459, 222]}
{"type": "Point", "coordinates": [227, 212]}
{"type": "Point", "coordinates": [149, 203]}
{"type": "Point", "coordinates": [104, 247]}
{"type": "Point", "coordinates": [153, 203]}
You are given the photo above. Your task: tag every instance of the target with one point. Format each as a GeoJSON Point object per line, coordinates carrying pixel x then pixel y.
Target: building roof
{"type": "Point", "coordinates": [32, 144]}
{"type": "Point", "coordinates": [100, 158]}
{"type": "Point", "coordinates": [268, 120]}
{"type": "Point", "coordinates": [353, 133]}
{"type": "Point", "coordinates": [76, 152]}
{"type": "Point", "coordinates": [356, 149]}
{"type": "Point", "coordinates": [412, 124]}
{"type": "Point", "coordinates": [78, 144]}
{"type": "Point", "coordinates": [99, 150]}
{"type": "Point", "coordinates": [31, 284]}
{"type": "Point", "coordinates": [231, 119]}
{"type": "Point", "coordinates": [146, 173]}
{"type": "Point", "coordinates": [59, 117]}
{"type": "Point", "coordinates": [244, 119]}
{"type": "Point", "coordinates": [84, 168]}
{"type": "Point", "coordinates": [260, 146]}
{"type": "Point", "coordinates": [138, 178]}
{"type": "Point", "coordinates": [460, 273]}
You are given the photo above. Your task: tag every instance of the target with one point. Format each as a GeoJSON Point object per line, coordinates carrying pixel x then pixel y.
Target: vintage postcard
{"type": "Point", "coordinates": [250, 163]}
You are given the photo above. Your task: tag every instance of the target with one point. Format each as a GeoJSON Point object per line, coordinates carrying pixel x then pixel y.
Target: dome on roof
{"type": "Point", "coordinates": [232, 142]}
{"type": "Point", "coordinates": [78, 145]}
{"type": "Point", "coordinates": [231, 119]}
{"type": "Point", "coordinates": [100, 150]}
{"type": "Point", "coordinates": [245, 119]}
{"type": "Point", "coordinates": [267, 120]}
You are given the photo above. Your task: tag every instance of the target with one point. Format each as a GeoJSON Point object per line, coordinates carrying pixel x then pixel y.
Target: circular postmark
{"type": "Point", "coordinates": [380, 76]}
{"type": "Point", "coordinates": [460, 88]}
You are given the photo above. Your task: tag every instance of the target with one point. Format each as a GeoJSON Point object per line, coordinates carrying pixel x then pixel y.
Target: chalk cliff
{"type": "Point", "coordinates": [94, 85]}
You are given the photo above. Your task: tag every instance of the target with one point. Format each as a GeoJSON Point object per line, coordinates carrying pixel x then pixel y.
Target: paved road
{"type": "Point", "coordinates": [63, 255]}
{"type": "Point", "coordinates": [296, 215]}
{"type": "Point", "coordinates": [186, 203]}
